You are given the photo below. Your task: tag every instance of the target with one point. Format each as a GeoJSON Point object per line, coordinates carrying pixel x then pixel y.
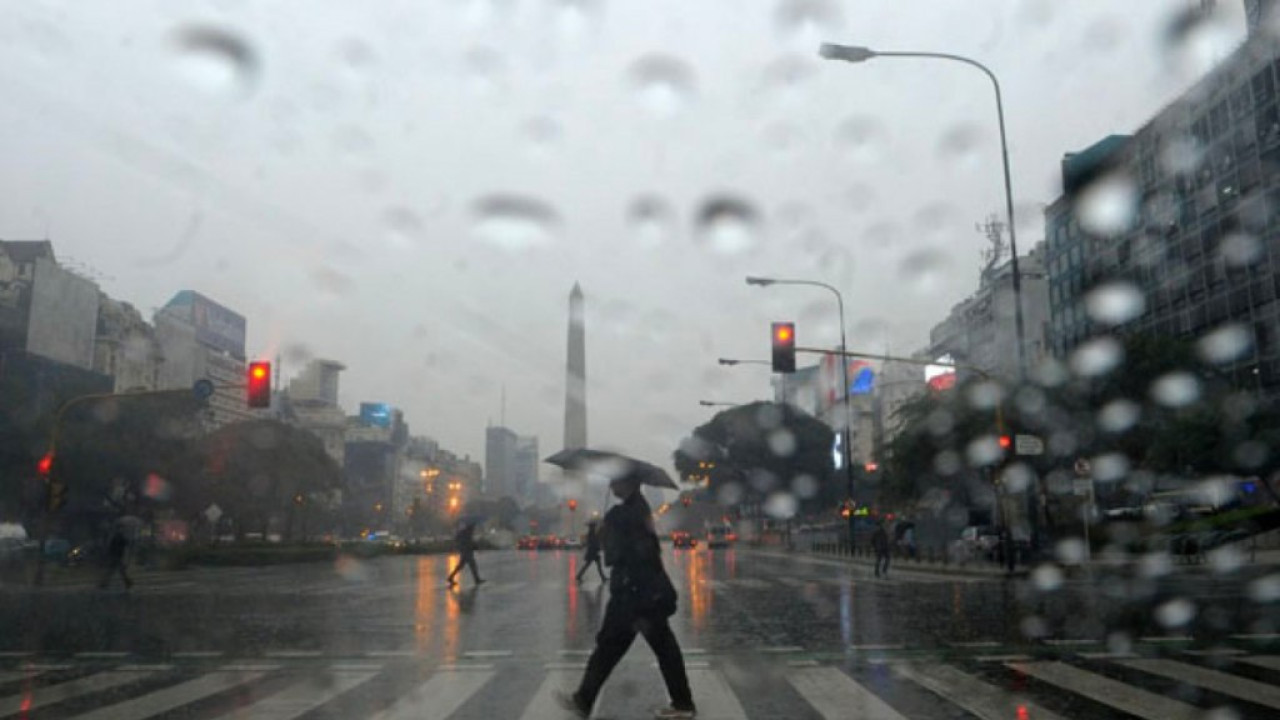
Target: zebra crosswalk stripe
{"type": "Point", "coordinates": [302, 697]}
{"type": "Point", "coordinates": [9, 676]}
{"type": "Point", "coordinates": [970, 693]}
{"type": "Point", "coordinates": [712, 695]}
{"type": "Point", "coordinates": [173, 697]}
{"type": "Point", "coordinates": [835, 695]}
{"type": "Point", "coordinates": [1220, 682]}
{"type": "Point", "coordinates": [1269, 662]}
{"type": "Point", "coordinates": [543, 704]}
{"type": "Point", "coordinates": [1110, 692]}
{"type": "Point", "coordinates": [70, 689]}
{"type": "Point", "coordinates": [438, 697]}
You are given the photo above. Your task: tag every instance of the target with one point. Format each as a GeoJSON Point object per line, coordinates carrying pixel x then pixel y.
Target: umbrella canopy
{"type": "Point", "coordinates": [612, 465]}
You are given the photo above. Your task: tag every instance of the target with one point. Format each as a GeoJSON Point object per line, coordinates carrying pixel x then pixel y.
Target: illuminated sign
{"type": "Point", "coordinates": [942, 374]}
{"type": "Point", "coordinates": [375, 415]}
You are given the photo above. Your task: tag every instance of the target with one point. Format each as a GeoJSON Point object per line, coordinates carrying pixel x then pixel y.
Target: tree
{"type": "Point", "coordinates": [750, 452]}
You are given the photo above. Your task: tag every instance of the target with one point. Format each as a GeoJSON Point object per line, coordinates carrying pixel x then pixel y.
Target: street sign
{"type": "Point", "coordinates": [1029, 445]}
{"type": "Point", "coordinates": [203, 389]}
{"type": "Point", "coordinates": [1082, 486]}
{"type": "Point", "coordinates": [213, 513]}
{"type": "Point", "coordinates": [1083, 468]}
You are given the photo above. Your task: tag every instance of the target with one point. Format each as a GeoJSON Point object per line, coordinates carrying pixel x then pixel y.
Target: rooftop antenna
{"type": "Point", "coordinates": [993, 228]}
{"type": "Point", "coordinates": [502, 415]}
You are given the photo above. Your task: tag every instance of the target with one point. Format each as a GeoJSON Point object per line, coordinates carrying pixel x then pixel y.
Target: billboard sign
{"type": "Point", "coordinates": [942, 374]}
{"type": "Point", "coordinates": [375, 415]}
{"type": "Point", "coordinates": [216, 326]}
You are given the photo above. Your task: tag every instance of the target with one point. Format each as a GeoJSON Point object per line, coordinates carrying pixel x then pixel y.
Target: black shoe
{"type": "Point", "coordinates": [570, 702]}
{"type": "Point", "coordinates": [481, 581]}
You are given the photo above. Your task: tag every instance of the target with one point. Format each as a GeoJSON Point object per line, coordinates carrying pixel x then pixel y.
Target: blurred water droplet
{"type": "Point", "coordinates": [484, 71]}
{"type": "Point", "coordinates": [664, 85]}
{"type": "Point", "coordinates": [1070, 551]}
{"type": "Point", "coordinates": [652, 222]}
{"type": "Point", "coordinates": [961, 145]}
{"type": "Point", "coordinates": [1226, 559]}
{"type": "Point", "coordinates": [297, 353]}
{"type": "Point", "coordinates": [218, 61]}
{"type": "Point", "coordinates": [1265, 589]}
{"type": "Point", "coordinates": [1110, 467]}
{"type": "Point", "coordinates": [924, 270]}
{"type": "Point", "coordinates": [542, 133]}
{"type": "Point", "coordinates": [1115, 303]}
{"type": "Point", "coordinates": [784, 139]}
{"type": "Point", "coordinates": [984, 451]}
{"type": "Point", "coordinates": [1104, 35]}
{"type": "Point", "coordinates": [1251, 454]}
{"type": "Point", "coordinates": [947, 463]}
{"type": "Point", "coordinates": [1118, 416]}
{"type": "Point", "coordinates": [781, 505]}
{"type": "Point", "coordinates": [1047, 577]}
{"type": "Point", "coordinates": [1196, 38]}
{"type": "Point", "coordinates": [769, 417]}
{"type": "Point", "coordinates": [805, 486]}
{"type": "Point", "coordinates": [1175, 613]}
{"type": "Point", "coordinates": [1033, 626]}
{"type": "Point", "coordinates": [1176, 389]}
{"type": "Point", "coordinates": [352, 570]}
{"type": "Point", "coordinates": [1050, 373]}
{"type": "Point", "coordinates": [808, 22]}
{"type": "Point", "coordinates": [1108, 206]}
{"type": "Point", "coordinates": [331, 281]}
{"type": "Point", "coordinates": [985, 395]}
{"type": "Point", "coordinates": [403, 227]}
{"type": "Point", "coordinates": [727, 225]}
{"type": "Point", "coordinates": [1181, 155]}
{"type": "Point", "coordinates": [1097, 357]}
{"type": "Point", "coordinates": [1155, 564]}
{"type": "Point", "coordinates": [936, 219]}
{"type": "Point", "coordinates": [356, 54]}
{"type": "Point", "coordinates": [513, 222]}
{"type": "Point", "coordinates": [863, 139]}
{"type": "Point", "coordinates": [1030, 400]}
{"type": "Point", "coordinates": [1017, 478]}
{"type": "Point", "coordinates": [729, 494]}
{"type": "Point", "coordinates": [575, 18]}
{"type": "Point", "coordinates": [352, 140]}
{"type": "Point", "coordinates": [1225, 344]}
{"type": "Point", "coordinates": [1241, 249]}
{"type": "Point", "coordinates": [782, 443]}
{"type": "Point", "coordinates": [860, 198]}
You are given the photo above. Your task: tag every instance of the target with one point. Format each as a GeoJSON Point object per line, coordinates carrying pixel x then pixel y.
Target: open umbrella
{"type": "Point", "coordinates": [611, 465]}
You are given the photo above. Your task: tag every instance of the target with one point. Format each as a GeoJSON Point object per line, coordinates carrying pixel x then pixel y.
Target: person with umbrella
{"type": "Point", "coordinates": [465, 540]}
{"type": "Point", "coordinates": [641, 596]}
{"type": "Point", "coordinates": [593, 551]}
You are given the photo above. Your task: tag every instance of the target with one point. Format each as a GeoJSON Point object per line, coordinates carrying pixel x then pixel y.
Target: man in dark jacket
{"type": "Point", "coordinates": [880, 545]}
{"type": "Point", "coordinates": [593, 552]}
{"type": "Point", "coordinates": [466, 544]}
{"type": "Point", "coordinates": [117, 545]}
{"type": "Point", "coordinates": [641, 598]}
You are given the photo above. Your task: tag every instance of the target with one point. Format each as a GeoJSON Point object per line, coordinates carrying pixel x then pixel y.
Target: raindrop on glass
{"type": "Point", "coordinates": [782, 443]}
{"type": "Point", "coordinates": [1175, 613]}
{"type": "Point", "coordinates": [863, 138]}
{"type": "Point", "coordinates": [1097, 357]}
{"type": "Point", "coordinates": [1108, 206]}
{"type": "Point", "coordinates": [1265, 589]}
{"type": "Point", "coordinates": [1070, 551]}
{"type": "Point", "coordinates": [807, 22]}
{"type": "Point", "coordinates": [652, 222]}
{"type": "Point", "coordinates": [514, 222]}
{"type": "Point", "coordinates": [727, 225]}
{"type": "Point", "coordinates": [1241, 249]}
{"type": "Point", "coordinates": [805, 486]}
{"type": "Point", "coordinates": [1196, 38]}
{"type": "Point", "coordinates": [985, 395]}
{"type": "Point", "coordinates": [961, 145]}
{"type": "Point", "coordinates": [984, 451]}
{"type": "Point", "coordinates": [1176, 389]}
{"type": "Point", "coordinates": [1115, 303]}
{"type": "Point", "coordinates": [924, 270]}
{"type": "Point", "coordinates": [1118, 416]}
{"type": "Point", "coordinates": [947, 463]}
{"type": "Point", "coordinates": [542, 133]}
{"type": "Point", "coordinates": [1110, 467]}
{"type": "Point", "coordinates": [403, 227]}
{"type": "Point", "coordinates": [1017, 478]}
{"type": "Point", "coordinates": [1047, 577]}
{"type": "Point", "coordinates": [664, 85]}
{"type": "Point", "coordinates": [781, 505]}
{"type": "Point", "coordinates": [218, 61]}
{"type": "Point", "coordinates": [1226, 559]}
{"type": "Point", "coordinates": [1225, 344]}
{"type": "Point", "coordinates": [729, 494]}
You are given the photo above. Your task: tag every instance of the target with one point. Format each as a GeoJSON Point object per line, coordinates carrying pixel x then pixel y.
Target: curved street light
{"type": "Point", "coordinates": [858, 54]}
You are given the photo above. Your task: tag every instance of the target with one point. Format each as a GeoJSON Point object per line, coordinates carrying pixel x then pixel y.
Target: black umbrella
{"type": "Point", "coordinates": [612, 465]}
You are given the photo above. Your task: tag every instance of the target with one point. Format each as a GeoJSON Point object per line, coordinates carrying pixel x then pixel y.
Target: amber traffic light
{"type": "Point", "coordinates": [784, 347]}
{"type": "Point", "coordinates": [573, 505]}
{"type": "Point", "coordinates": [259, 384]}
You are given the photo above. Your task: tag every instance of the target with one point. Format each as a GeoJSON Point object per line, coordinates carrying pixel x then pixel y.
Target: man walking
{"type": "Point", "coordinates": [880, 545]}
{"type": "Point", "coordinates": [641, 598]}
{"type": "Point", "coordinates": [117, 545]}
{"type": "Point", "coordinates": [465, 541]}
{"type": "Point", "coordinates": [593, 552]}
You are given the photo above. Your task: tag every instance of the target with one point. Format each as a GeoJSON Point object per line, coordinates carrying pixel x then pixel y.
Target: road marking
{"type": "Point", "coordinates": [284, 654]}
{"type": "Point", "coordinates": [877, 648]}
{"type": "Point", "coordinates": [803, 663]}
{"type": "Point", "coordinates": [391, 653]}
{"type": "Point", "coordinates": [196, 654]}
{"type": "Point", "coordinates": [975, 644]}
{"type": "Point", "coordinates": [1108, 692]}
{"type": "Point", "coordinates": [102, 654]}
{"type": "Point", "coordinates": [1070, 643]}
{"type": "Point", "coordinates": [581, 653]}
{"type": "Point", "coordinates": [302, 697]}
{"type": "Point", "coordinates": [251, 667]}
{"type": "Point", "coordinates": [154, 668]}
{"type": "Point", "coordinates": [1107, 655]}
{"type": "Point", "coordinates": [1238, 687]}
{"type": "Point", "coordinates": [688, 664]}
{"type": "Point", "coordinates": [1003, 658]}
{"type": "Point", "coordinates": [356, 665]}
{"type": "Point", "coordinates": [43, 667]}
{"type": "Point", "coordinates": [793, 582]}
{"type": "Point", "coordinates": [1269, 662]}
{"type": "Point", "coordinates": [439, 697]}
{"type": "Point", "coordinates": [565, 666]}
{"type": "Point", "coordinates": [837, 696]}
{"type": "Point", "coordinates": [781, 649]}
{"type": "Point", "coordinates": [67, 690]}
{"type": "Point", "coordinates": [972, 694]}
{"type": "Point", "coordinates": [9, 676]}
{"type": "Point", "coordinates": [16, 654]}
{"type": "Point", "coordinates": [543, 705]}
{"type": "Point", "coordinates": [1165, 639]}
{"type": "Point", "coordinates": [1256, 636]}
{"type": "Point", "coordinates": [717, 585]}
{"type": "Point", "coordinates": [488, 654]}
{"type": "Point", "coordinates": [1215, 652]}
{"type": "Point", "coordinates": [713, 697]}
{"type": "Point", "coordinates": [172, 698]}
{"type": "Point", "coordinates": [466, 667]}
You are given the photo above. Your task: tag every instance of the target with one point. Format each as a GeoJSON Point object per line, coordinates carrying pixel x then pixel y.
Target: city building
{"type": "Point", "coordinates": [524, 470]}
{"type": "Point", "coordinates": [311, 403]}
{"type": "Point", "coordinates": [126, 347]}
{"type": "Point", "coordinates": [1203, 245]}
{"type": "Point", "coordinates": [373, 461]}
{"type": "Point", "coordinates": [200, 340]}
{"type": "Point", "coordinates": [500, 445]}
{"type": "Point", "coordinates": [45, 309]}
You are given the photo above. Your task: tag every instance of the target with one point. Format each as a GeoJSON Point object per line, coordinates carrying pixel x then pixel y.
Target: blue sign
{"type": "Point", "coordinates": [375, 415]}
{"type": "Point", "coordinates": [862, 382]}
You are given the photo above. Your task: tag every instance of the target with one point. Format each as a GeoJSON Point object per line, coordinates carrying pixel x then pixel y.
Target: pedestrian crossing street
{"type": "Point", "coordinates": [1166, 685]}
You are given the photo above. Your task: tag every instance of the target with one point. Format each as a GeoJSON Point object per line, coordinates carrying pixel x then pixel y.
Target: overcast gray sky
{"type": "Point", "coordinates": [412, 188]}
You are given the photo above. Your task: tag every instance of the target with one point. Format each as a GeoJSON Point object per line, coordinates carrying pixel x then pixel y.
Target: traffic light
{"type": "Point", "coordinates": [1006, 442]}
{"type": "Point", "coordinates": [259, 384]}
{"type": "Point", "coordinates": [573, 505]}
{"type": "Point", "coordinates": [871, 467]}
{"type": "Point", "coordinates": [44, 466]}
{"type": "Point", "coordinates": [57, 495]}
{"type": "Point", "coordinates": [784, 347]}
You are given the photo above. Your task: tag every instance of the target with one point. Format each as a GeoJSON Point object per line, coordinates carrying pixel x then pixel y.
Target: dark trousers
{"type": "Point", "coordinates": [882, 563]}
{"type": "Point", "coordinates": [115, 565]}
{"type": "Point", "coordinates": [590, 560]}
{"type": "Point", "coordinates": [614, 639]}
{"type": "Point", "coordinates": [467, 559]}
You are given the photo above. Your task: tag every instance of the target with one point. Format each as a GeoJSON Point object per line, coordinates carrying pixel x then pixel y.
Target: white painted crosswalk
{"type": "Point", "coordinates": [503, 682]}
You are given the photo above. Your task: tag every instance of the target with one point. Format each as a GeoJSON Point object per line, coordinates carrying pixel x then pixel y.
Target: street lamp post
{"type": "Point", "coordinates": [855, 54]}
{"type": "Point", "coordinates": [713, 403]}
{"type": "Point", "coordinates": [844, 374]}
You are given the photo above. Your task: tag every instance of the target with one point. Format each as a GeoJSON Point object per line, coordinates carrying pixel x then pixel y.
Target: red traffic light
{"type": "Point", "coordinates": [1006, 442]}
{"type": "Point", "coordinates": [784, 347]}
{"type": "Point", "coordinates": [259, 384]}
{"type": "Point", "coordinates": [573, 505]}
{"type": "Point", "coordinates": [871, 467]}
{"type": "Point", "coordinates": [44, 465]}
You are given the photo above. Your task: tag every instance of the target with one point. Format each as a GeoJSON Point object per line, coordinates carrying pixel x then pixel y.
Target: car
{"type": "Point", "coordinates": [527, 542]}
{"type": "Point", "coordinates": [572, 543]}
{"type": "Point", "coordinates": [976, 542]}
{"type": "Point", "coordinates": [683, 540]}
{"type": "Point", "coordinates": [719, 536]}
{"type": "Point", "coordinates": [550, 542]}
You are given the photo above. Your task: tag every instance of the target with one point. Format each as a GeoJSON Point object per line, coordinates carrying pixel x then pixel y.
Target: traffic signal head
{"type": "Point", "coordinates": [259, 384]}
{"type": "Point", "coordinates": [573, 505]}
{"type": "Point", "coordinates": [57, 495]}
{"type": "Point", "coordinates": [784, 347]}
{"type": "Point", "coordinates": [1006, 442]}
{"type": "Point", "coordinates": [44, 466]}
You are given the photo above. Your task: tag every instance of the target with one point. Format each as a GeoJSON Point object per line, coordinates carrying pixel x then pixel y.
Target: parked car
{"type": "Point", "coordinates": [683, 540]}
{"type": "Point", "coordinates": [976, 542]}
{"type": "Point", "coordinates": [527, 542]}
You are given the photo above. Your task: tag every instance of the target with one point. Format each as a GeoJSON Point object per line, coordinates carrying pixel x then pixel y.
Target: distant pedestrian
{"type": "Point", "coordinates": [593, 552]}
{"type": "Point", "coordinates": [117, 547]}
{"type": "Point", "coordinates": [880, 545]}
{"type": "Point", "coordinates": [465, 541]}
{"type": "Point", "coordinates": [641, 599]}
